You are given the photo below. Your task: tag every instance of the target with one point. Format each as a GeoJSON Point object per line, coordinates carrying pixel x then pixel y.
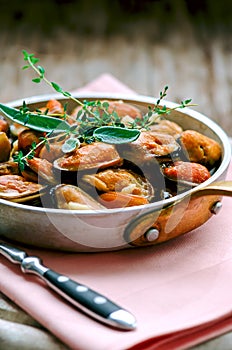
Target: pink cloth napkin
{"type": "Point", "coordinates": [180, 291]}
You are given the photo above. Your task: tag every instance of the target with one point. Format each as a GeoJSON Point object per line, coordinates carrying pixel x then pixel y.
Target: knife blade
{"type": "Point", "coordinates": [84, 298]}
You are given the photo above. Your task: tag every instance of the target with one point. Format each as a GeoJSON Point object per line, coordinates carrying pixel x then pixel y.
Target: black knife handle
{"type": "Point", "coordinates": [80, 295]}
{"type": "Point", "coordinates": [86, 299]}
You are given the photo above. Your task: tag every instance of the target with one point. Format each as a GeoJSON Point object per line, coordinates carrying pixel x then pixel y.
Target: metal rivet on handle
{"type": "Point", "coordinates": [216, 207]}
{"type": "Point", "coordinates": [152, 234]}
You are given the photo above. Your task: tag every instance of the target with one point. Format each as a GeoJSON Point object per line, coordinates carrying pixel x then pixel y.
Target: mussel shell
{"type": "Point", "coordinates": [34, 199]}
{"type": "Point", "coordinates": [93, 156]}
{"type": "Point", "coordinates": [121, 200]}
{"type": "Point", "coordinates": [120, 180]}
{"type": "Point", "coordinates": [167, 127]}
{"type": "Point", "coordinates": [72, 197]}
{"type": "Point", "coordinates": [150, 146]}
{"type": "Point", "coordinates": [199, 148]}
{"type": "Point", "coordinates": [16, 188]}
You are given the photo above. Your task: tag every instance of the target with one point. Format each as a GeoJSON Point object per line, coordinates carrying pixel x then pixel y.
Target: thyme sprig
{"type": "Point", "coordinates": [32, 61]}
{"type": "Point", "coordinates": [93, 122]}
{"type": "Point", "coordinates": [157, 111]}
{"type": "Point", "coordinates": [90, 107]}
{"type": "Point", "coordinates": [92, 115]}
{"type": "Point", "coordinates": [95, 114]}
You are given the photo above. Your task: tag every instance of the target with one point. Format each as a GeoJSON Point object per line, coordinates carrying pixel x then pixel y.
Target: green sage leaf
{"type": "Point", "coordinates": [38, 122]}
{"type": "Point", "coordinates": [116, 135]}
{"type": "Point", "coordinates": [70, 145]}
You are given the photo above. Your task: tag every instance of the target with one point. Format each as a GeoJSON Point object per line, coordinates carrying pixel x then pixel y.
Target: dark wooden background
{"type": "Point", "coordinates": [185, 44]}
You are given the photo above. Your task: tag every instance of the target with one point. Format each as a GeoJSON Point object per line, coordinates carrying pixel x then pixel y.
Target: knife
{"type": "Point", "coordinates": [86, 299]}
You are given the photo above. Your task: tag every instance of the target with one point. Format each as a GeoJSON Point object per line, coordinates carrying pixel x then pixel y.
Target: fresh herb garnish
{"type": "Point", "coordinates": [35, 121]}
{"type": "Point", "coordinates": [93, 122]}
{"type": "Point", "coordinates": [21, 160]}
{"type": "Point", "coordinates": [109, 134]}
{"type": "Point", "coordinates": [70, 144]}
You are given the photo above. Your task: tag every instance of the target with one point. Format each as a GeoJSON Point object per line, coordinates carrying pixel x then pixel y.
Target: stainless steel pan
{"type": "Point", "coordinates": [112, 229]}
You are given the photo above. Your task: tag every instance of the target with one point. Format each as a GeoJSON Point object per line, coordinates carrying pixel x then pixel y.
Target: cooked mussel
{"type": "Point", "coordinates": [120, 180]}
{"type": "Point", "coordinates": [124, 109]}
{"type": "Point", "coordinates": [186, 173]}
{"type": "Point", "coordinates": [43, 168]}
{"type": "Point", "coordinates": [167, 127]}
{"type": "Point", "coordinates": [73, 198]}
{"type": "Point", "coordinates": [95, 155]}
{"type": "Point", "coordinates": [53, 152]}
{"type": "Point", "coordinates": [52, 107]}
{"type": "Point", "coordinates": [199, 148]}
{"type": "Point", "coordinates": [149, 146]}
{"type": "Point", "coordinates": [16, 188]}
{"type": "Point", "coordinates": [27, 138]}
{"type": "Point", "coordinates": [121, 200]}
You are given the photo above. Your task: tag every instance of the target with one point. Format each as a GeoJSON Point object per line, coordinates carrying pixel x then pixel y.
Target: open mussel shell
{"type": "Point", "coordinates": [92, 156]}
{"type": "Point", "coordinates": [149, 147]}
{"type": "Point", "coordinates": [89, 158]}
{"type": "Point", "coordinates": [180, 183]}
{"type": "Point", "coordinates": [188, 174]}
{"type": "Point", "coordinates": [32, 199]}
{"type": "Point", "coordinates": [120, 180]}
{"type": "Point", "coordinates": [73, 198]}
{"type": "Point", "coordinates": [17, 189]}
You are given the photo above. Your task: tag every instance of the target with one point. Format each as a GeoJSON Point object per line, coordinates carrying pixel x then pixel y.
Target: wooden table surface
{"type": "Point", "coordinates": [146, 46]}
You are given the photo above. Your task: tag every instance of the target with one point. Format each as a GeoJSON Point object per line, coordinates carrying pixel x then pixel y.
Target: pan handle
{"type": "Point", "coordinates": [220, 188]}
{"type": "Point", "coordinates": [184, 215]}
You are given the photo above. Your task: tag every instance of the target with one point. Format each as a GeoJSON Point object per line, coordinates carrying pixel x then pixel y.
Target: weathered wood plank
{"type": "Point", "coordinates": [190, 68]}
